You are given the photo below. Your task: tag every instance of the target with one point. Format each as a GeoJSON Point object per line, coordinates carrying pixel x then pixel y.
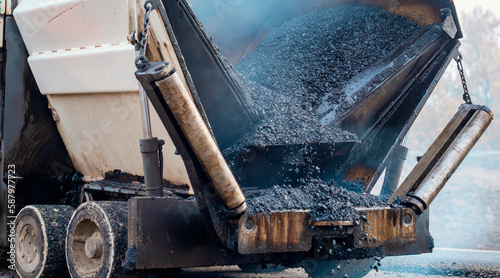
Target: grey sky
{"type": "Point", "coordinates": [465, 5]}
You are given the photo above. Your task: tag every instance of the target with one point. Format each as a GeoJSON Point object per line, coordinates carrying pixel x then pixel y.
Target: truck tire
{"type": "Point", "coordinates": [97, 240]}
{"type": "Point", "coordinates": [338, 269]}
{"type": "Point", "coordinates": [40, 234]}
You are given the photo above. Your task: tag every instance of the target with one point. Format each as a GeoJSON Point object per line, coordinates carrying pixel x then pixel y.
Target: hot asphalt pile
{"type": "Point", "coordinates": [308, 57]}
{"type": "Point", "coordinates": [286, 77]}
{"type": "Point", "coordinates": [326, 201]}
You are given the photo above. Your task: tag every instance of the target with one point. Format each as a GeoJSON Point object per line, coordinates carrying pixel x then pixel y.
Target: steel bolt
{"type": "Point", "coordinates": [407, 220]}
{"type": "Point", "coordinates": [249, 225]}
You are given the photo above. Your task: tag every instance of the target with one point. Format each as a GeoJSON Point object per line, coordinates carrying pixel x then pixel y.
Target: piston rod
{"type": "Point", "coordinates": [146, 120]}
{"type": "Point", "coordinates": [150, 147]}
{"type": "Point", "coordinates": [393, 171]}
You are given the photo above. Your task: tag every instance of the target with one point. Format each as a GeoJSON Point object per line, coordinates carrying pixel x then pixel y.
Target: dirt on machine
{"type": "Point", "coordinates": [142, 137]}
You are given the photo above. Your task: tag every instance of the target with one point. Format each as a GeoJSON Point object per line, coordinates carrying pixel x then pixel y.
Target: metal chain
{"type": "Point", "coordinates": [460, 67]}
{"type": "Point", "coordinates": [141, 61]}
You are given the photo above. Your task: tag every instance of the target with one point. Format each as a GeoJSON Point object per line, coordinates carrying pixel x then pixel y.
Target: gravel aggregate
{"type": "Point", "coordinates": [287, 76]}
{"type": "Point", "coordinates": [308, 57]}
{"type": "Point", "coordinates": [326, 201]}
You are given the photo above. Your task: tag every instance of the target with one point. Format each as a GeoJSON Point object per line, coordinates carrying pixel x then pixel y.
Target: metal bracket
{"type": "Point", "coordinates": [448, 22]}
{"type": "Point", "coordinates": [386, 226]}
{"type": "Point", "coordinates": [292, 231]}
{"type": "Point", "coordinates": [287, 231]}
{"type": "Point", "coordinates": [170, 233]}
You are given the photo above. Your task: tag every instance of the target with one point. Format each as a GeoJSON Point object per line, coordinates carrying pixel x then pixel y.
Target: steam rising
{"type": "Point", "coordinates": [236, 24]}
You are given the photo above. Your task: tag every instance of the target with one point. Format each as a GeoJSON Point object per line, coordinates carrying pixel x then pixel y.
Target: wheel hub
{"type": "Point", "coordinates": [94, 246]}
{"type": "Point", "coordinates": [96, 240]}
{"type": "Point", "coordinates": [88, 247]}
{"type": "Point", "coordinates": [39, 236]}
{"type": "Point", "coordinates": [28, 245]}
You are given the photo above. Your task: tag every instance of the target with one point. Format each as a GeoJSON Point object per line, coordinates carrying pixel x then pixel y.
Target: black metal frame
{"type": "Point", "coordinates": [409, 94]}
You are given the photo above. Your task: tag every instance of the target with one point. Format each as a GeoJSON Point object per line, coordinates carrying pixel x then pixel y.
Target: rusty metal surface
{"type": "Point", "coordinates": [332, 223]}
{"type": "Point", "coordinates": [287, 231]}
{"type": "Point", "coordinates": [361, 173]}
{"type": "Point", "coordinates": [386, 226]}
{"type": "Point", "coordinates": [424, 242]}
{"type": "Point", "coordinates": [292, 231]}
{"type": "Point", "coordinates": [381, 125]}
